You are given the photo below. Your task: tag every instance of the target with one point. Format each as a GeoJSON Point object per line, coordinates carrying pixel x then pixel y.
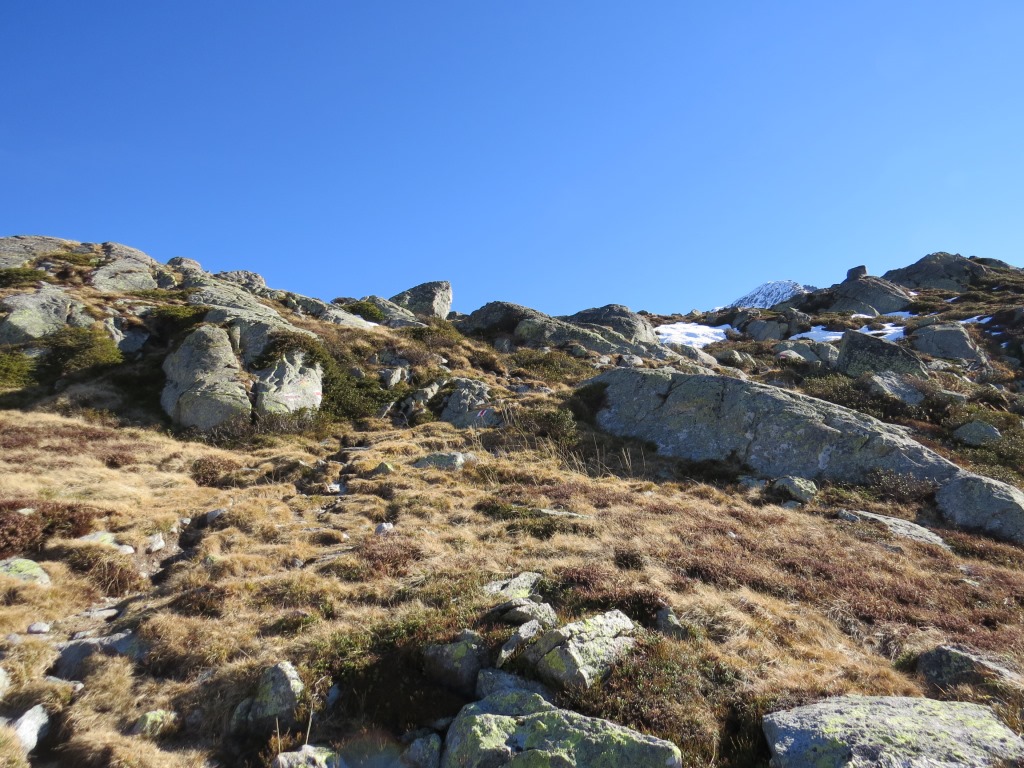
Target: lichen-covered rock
{"type": "Point", "coordinates": [468, 405]}
{"type": "Point", "coordinates": [810, 351]}
{"type": "Point", "coordinates": [581, 653]}
{"type": "Point", "coordinates": [395, 316]}
{"type": "Point", "coordinates": [976, 433]}
{"type": "Point", "coordinates": [497, 317]}
{"type": "Point", "coordinates": [250, 281]}
{"type": "Point", "coordinates": [522, 729]}
{"type": "Point", "coordinates": [456, 665]}
{"type": "Point", "coordinates": [491, 681]}
{"type": "Point", "coordinates": [521, 610]}
{"type": "Point", "coordinates": [34, 315]}
{"type": "Point", "coordinates": [949, 341]}
{"type": "Point", "coordinates": [156, 724]}
{"type": "Point", "coordinates": [524, 635]}
{"type": "Point", "coordinates": [861, 353]}
{"type": "Point", "coordinates": [947, 665]}
{"type": "Point", "coordinates": [941, 271]}
{"type": "Point", "coordinates": [519, 586]}
{"type": "Point", "coordinates": [424, 752]}
{"type": "Point", "coordinates": [883, 732]}
{"type": "Point", "coordinates": [204, 384]}
{"type": "Point", "coordinates": [289, 386]}
{"type": "Point", "coordinates": [23, 569]}
{"type": "Point", "coordinates": [277, 698]}
{"type": "Point", "coordinates": [795, 489]}
{"type": "Point", "coordinates": [427, 299]}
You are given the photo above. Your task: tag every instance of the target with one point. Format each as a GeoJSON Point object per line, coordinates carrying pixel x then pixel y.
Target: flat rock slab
{"type": "Point", "coordinates": [883, 732]}
{"type": "Point", "coordinates": [897, 526]}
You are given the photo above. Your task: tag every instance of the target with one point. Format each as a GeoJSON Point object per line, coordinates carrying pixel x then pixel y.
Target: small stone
{"type": "Point", "coordinates": [383, 469]}
{"type": "Point", "coordinates": [38, 628]}
{"type": "Point", "coordinates": [384, 529]}
{"type": "Point", "coordinates": [156, 723]}
{"type": "Point", "coordinates": [309, 756]}
{"type": "Point", "coordinates": [795, 488]}
{"type": "Point", "coordinates": [520, 638]}
{"type": "Point", "coordinates": [32, 727]}
{"type": "Point", "coordinates": [155, 543]}
{"type": "Point", "coordinates": [522, 586]}
{"type": "Point", "coordinates": [668, 624]}
{"type": "Point", "coordinates": [521, 610]}
{"type": "Point", "coordinates": [126, 549]}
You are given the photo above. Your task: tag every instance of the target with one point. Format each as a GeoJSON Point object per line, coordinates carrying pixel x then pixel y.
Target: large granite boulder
{"type": "Point", "coordinates": [427, 300]}
{"type": "Point", "coordinates": [948, 340]}
{"type": "Point", "coordinates": [517, 728]}
{"type": "Point", "coordinates": [204, 386]}
{"type": "Point", "coordinates": [886, 732]}
{"type": "Point", "coordinates": [497, 317]}
{"type": "Point", "coordinates": [34, 315]}
{"type": "Point", "coordinates": [773, 432]}
{"type": "Point", "coordinates": [125, 269]}
{"type": "Point", "coordinates": [942, 271]}
{"type": "Point", "coordinates": [860, 353]}
{"type": "Point", "coordinates": [469, 405]}
{"type": "Point", "coordinates": [290, 385]}
{"type": "Point", "coordinates": [581, 653]}
{"type": "Point", "coordinates": [634, 328]}
{"type": "Point", "coordinates": [870, 296]}
{"type": "Point", "coordinates": [810, 351]}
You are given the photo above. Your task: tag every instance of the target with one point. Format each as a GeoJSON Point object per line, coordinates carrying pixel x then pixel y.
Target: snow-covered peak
{"type": "Point", "coordinates": [770, 294]}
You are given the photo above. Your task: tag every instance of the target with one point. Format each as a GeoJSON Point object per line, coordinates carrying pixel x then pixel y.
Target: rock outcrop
{"type": "Point", "coordinates": [883, 732]}
{"type": "Point", "coordinates": [520, 728]}
{"type": "Point", "coordinates": [427, 300]}
{"type": "Point", "coordinates": [704, 417]}
{"type": "Point", "coordinates": [941, 271]}
{"type": "Point", "coordinates": [126, 269]}
{"type": "Point", "coordinates": [860, 353]}
{"type": "Point", "coordinates": [204, 385]}
{"type": "Point", "coordinates": [34, 315]}
{"type": "Point", "coordinates": [870, 296]}
{"type": "Point", "coordinates": [948, 340]}
{"type": "Point", "coordinates": [290, 385]}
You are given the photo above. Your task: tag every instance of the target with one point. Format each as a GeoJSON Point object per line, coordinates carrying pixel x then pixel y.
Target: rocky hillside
{"type": "Point", "coordinates": [241, 526]}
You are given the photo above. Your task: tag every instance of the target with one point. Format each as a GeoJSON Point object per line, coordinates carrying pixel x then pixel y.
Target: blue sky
{"type": "Point", "coordinates": [664, 155]}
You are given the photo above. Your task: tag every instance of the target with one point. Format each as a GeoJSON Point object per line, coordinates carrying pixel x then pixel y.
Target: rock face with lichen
{"type": "Point", "coordinates": [517, 728]}
{"type": "Point", "coordinates": [881, 732]}
{"type": "Point", "coordinates": [582, 653]}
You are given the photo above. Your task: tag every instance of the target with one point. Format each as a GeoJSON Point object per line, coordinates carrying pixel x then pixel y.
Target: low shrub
{"type": "Point", "coordinates": [20, 533]}
{"type": "Point", "coordinates": [553, 367]}
{"type": "Point", "coordinates": [172, 321]}
{"type": "Point", "coordinates": [366, 310]}
{"type": "Point", "coordinates": [78, 350]}
{"type": "Point", "coordinates": [15, 370]}
{"type": "Point", "coordinates": [19, 277]}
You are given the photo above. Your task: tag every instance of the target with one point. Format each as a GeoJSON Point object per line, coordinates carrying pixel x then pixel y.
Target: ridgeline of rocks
{"type": "Point", "coordinates": [911, 380]}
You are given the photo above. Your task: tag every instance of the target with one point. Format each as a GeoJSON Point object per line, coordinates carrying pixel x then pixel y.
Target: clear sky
{"type": "Point", "coordinates": [663, 154]}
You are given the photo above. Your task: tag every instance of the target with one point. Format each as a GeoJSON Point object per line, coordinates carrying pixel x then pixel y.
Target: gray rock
{"type": "Point", "coordinates": [897, 526]}
{"type": "Point", "coordinates": [427, 300]}
{"type": "Point", "coordinates": [521, 610]}
{"type": "Point", "coordinates": [976, 433]}
{"type": "Point", "coordinates": [896, 386]}
{"type": "Point", "coordinates": [884, 732]}
{"type": "Point", "coordinates": [869, 296]}
{"type": "Point", "coordinates": [32, 727]}
{"type": "Point", "coordinates": [383, 529]}
{"type": "Point", "coordinates": [703, 417]}
{"type": "Point", "coordinates": [23, 569]}
{"type": "Point", "coordinates": [469, 405]}
{"type": "Point", "coordinates": [395, 316]}
{"type": "Point", "coordinates": [309, 756]}
{"type": "Point", "coordinates": [125, 269]}
{"type": "Point", "coordinates": [694, 355]}
{"type": "Point", "coordinates": [634, 328]}
{"type": "Point", "coordinates": [948, 340]}
{"type": "Point", "coordinates": [129, 338]}
{"type": "Point", "coordinates": [17, 251]}
{"type": "Point", "coordinates": [424, 752]}
{"type": "Point", "coordinates": [581, 653]}
{"type": "Point", "coordinates": [666, 622]}
{"type": "Point", "coordinates": [497, 317]}
{"type": "Point", "coordinates": [204, 385]}
{"type": "Point", "coordinates": [491, 681]}
{"type": "Point", "coordinates": [155, 543]}
{"type": "Point", "coordinates": [250, 281]}
{"type": "Point", "coordinates": [631, 361]}
{"type": "Point", "coordinates": [520, 586]}
{"type": "Point", "coordinates": [516, 728]}
{"type": "Point", "coordinates": [948, 665]}
{"type": "Point", "coordinates": [34, 315]}
{"type": "Point", "coordinates": [392, 377]}
{"type": "Point", "coordinates": [856, 273]}
{"type": "Point", "coordinates": [941, 271]}
{"type": "Point", "coordinates": [810, 351]}
{"type": "Point", "coordinates": [73, 654]}
{"type": "Point", "coordinates": [980, 503]}
{"type": "Point", "coordinates": [277, 698]}
{"type": "Point", "coordinates": [795, 489]}
{"type": "Point", "coordinates": [456, 665]}
{"type": "Point", "coordinates": [290, 385]}
{"type": "Point", "coordinates": [39, 628]}
{"type": "Point", "coordinates": [446, 460]}
{"type": "Point", "coordinates": [860, 353]}
{"type": "Point", "coordinates": [524, 635]}
{"type": "Point", "coordinates": [735, 359]}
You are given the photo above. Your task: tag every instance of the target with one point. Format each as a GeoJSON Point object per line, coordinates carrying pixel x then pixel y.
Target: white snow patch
{"type": "Point", "coordinates": [889, 332]}
{"type": "Point", "coordinates": [950, 301]}
{"type": "Point", "coordinates": [818, 333]}
{"type": "Point", "coordinates": [899, 314]}
{"type": "Point", "coordinates": [976, 319]}
{"type": "Point", "coordinates": [691, 334]}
